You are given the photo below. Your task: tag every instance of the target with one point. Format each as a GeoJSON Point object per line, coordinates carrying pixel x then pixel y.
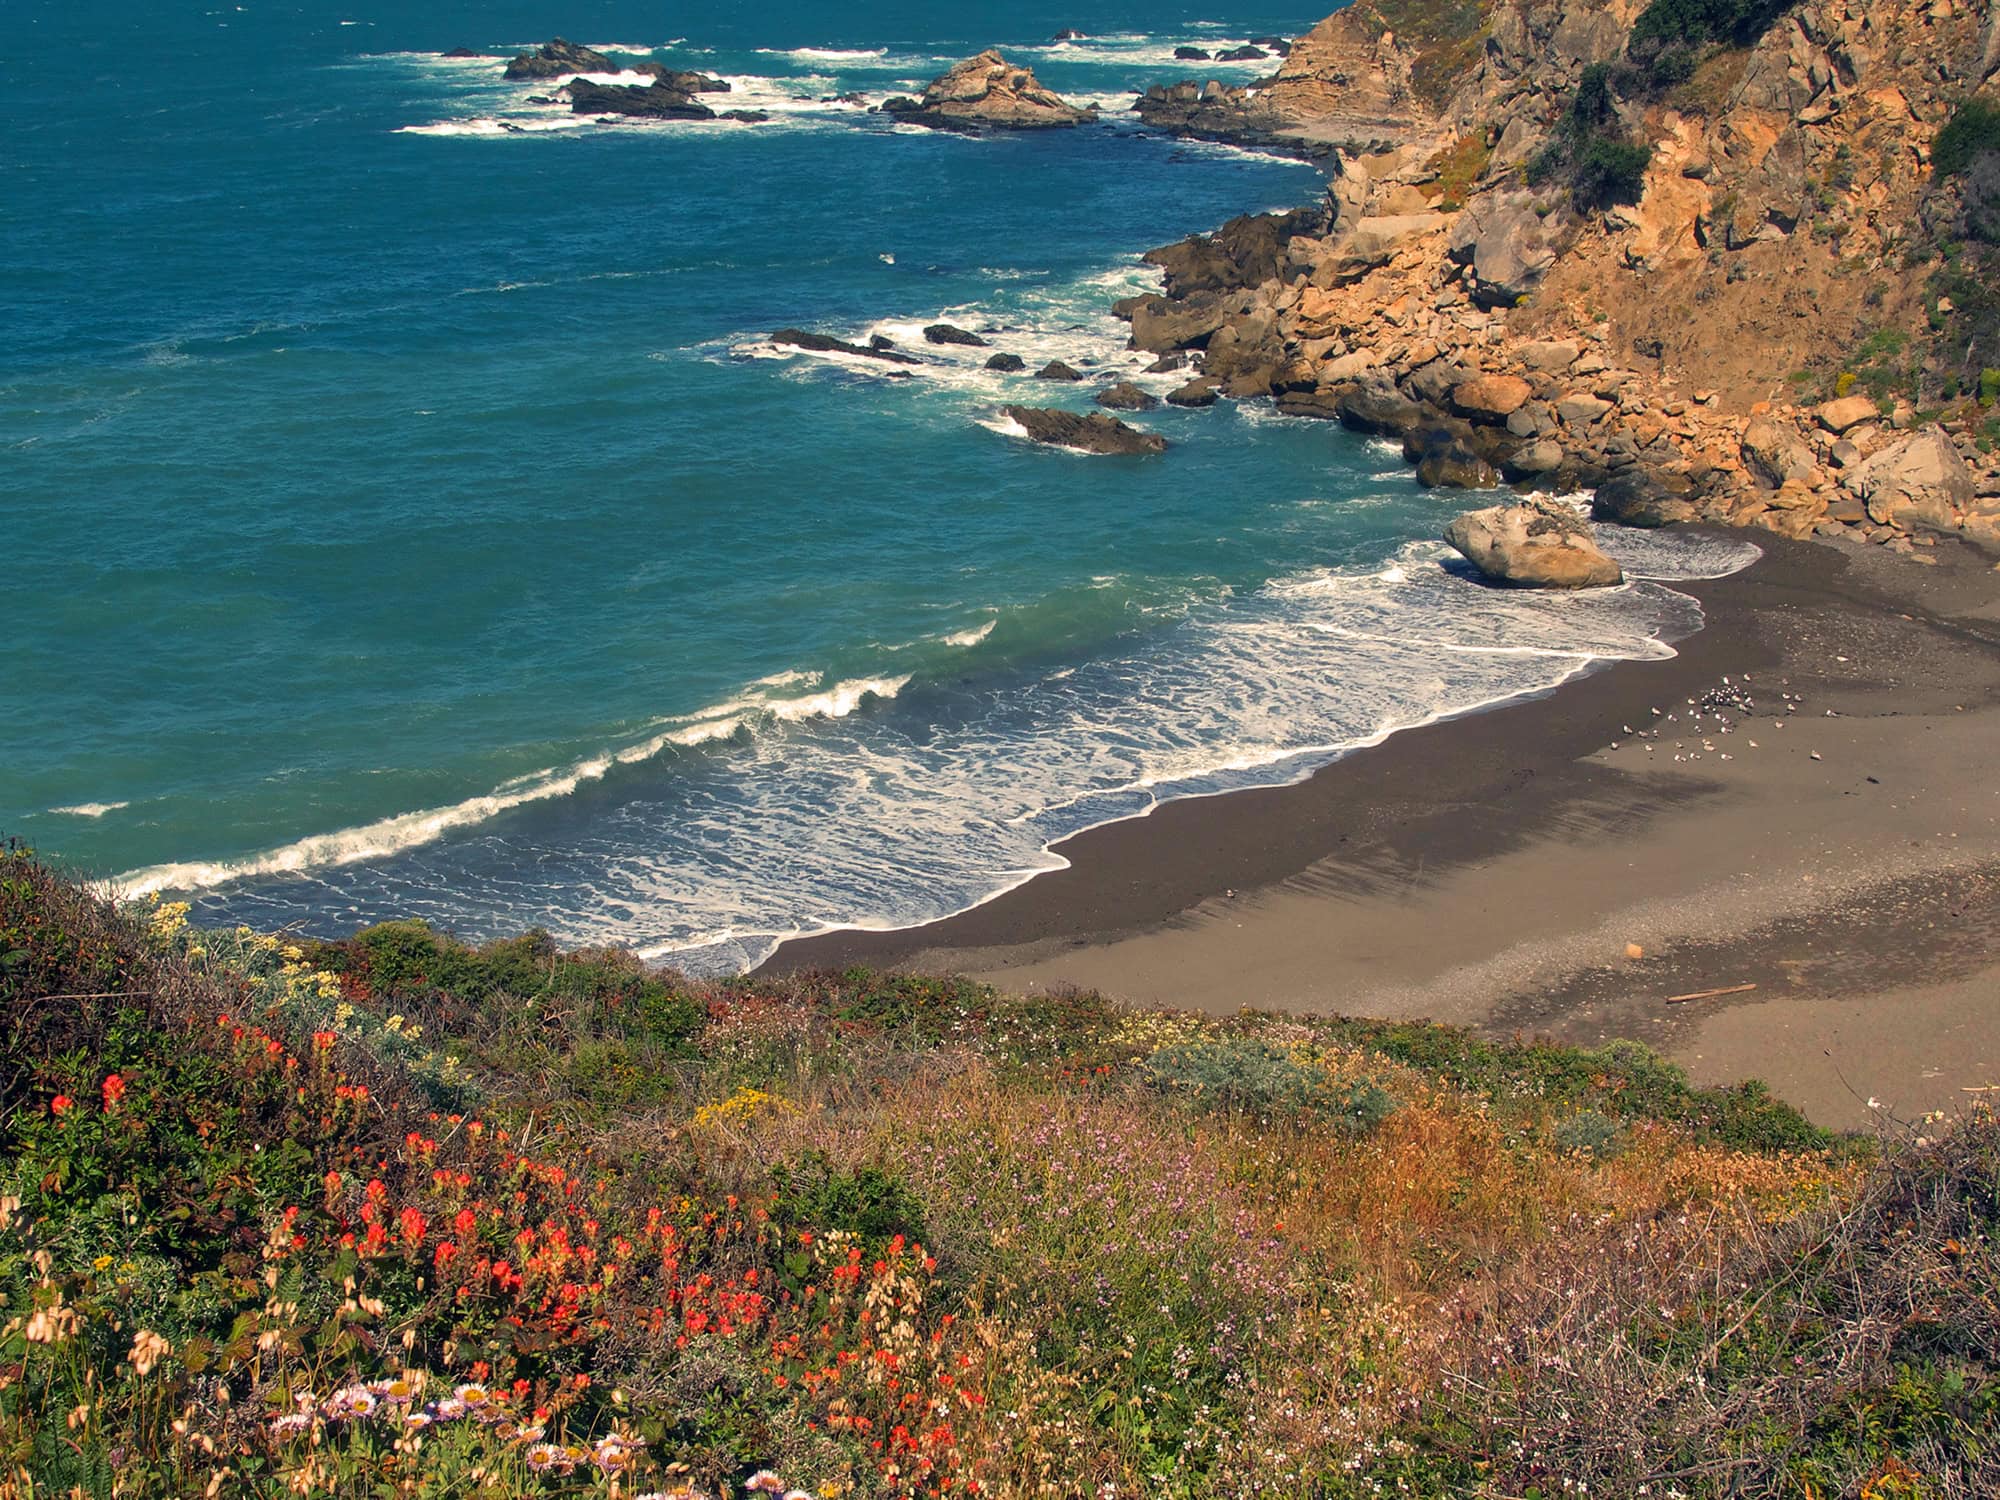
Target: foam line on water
{"type": "Point", "coordinates": [411, 830]}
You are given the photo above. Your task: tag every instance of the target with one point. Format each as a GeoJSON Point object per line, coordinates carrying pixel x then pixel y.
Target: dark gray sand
{"type": "Point", "coordinates": [1840, 851]}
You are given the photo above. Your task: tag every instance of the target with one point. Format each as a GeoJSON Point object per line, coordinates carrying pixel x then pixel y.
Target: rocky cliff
{"type": "Point", "coordinates": [1742, 255]}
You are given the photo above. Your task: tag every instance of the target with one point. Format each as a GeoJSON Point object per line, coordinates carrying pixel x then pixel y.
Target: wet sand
{"type": "Point", "coordinates": [1840, 851]}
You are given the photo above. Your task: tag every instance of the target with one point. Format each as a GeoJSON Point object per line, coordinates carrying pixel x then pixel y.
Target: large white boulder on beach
{"type": "Point", "coordinates": [1920, 483]}
{"type": "Point", "coordinates": [1534, 544]}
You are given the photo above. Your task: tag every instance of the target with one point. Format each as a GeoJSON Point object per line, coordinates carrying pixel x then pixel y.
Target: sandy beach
{"type": "Point", "coordinates": [1832, 860]}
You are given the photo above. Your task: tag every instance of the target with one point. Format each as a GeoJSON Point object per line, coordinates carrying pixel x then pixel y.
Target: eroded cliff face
{"type": "Point", "coordinates": [1788, 243]}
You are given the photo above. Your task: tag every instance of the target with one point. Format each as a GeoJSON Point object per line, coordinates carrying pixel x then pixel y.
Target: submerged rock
{"type": "Point", "coordinates": [1537, 544]}
{"type": "Point", "coordinates": [558, 59]}
{"type": "Point", "coordinates": [987, 93]}
{"type": "Point", "coordinates": [1096, 433]}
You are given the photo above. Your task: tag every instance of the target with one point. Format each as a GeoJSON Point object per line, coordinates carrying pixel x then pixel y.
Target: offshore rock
{"type": "Point", "coordinates": [1055, 369]}
{"type": "Point", "coordinates": [1126, 396]}
{"type": "Point", "coordinates": [945, 333]}
{"type": "Point", "coordinates": [819, 343]}
{"type": "Point", "coordinates": [1096, 433]}
{"type": "Point", "coordinates": [659, 100]}
{"type": "Point", "coordinates": [1007, 364]}
{"type": "Point", "coordinates": [558, 59]}
{"type": "Point", "coordinates": [1536, 544]}
{"type": "Point", "coordinates": [1200, 391]}
{"type": "Point", "coordinates": [987, 93]}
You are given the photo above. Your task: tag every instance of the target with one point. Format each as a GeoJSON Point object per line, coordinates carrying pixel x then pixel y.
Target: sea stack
{"type": "Point", "coordinates": [987, 93]}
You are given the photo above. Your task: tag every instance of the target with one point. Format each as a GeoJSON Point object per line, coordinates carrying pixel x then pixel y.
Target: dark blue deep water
{"type": "Point", "coordinates": [404, 514]}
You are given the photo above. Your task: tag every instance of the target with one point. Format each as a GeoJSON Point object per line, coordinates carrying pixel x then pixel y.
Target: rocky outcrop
{"type": "Point", "coordinates": [559, 59]}
{"type": "Point", "coordinates": [1007, 364]}
{"type": "Point", "coordinates": [987, 93]}
{"type": "Point", "coordinates": [1540, 544]}
{"type": "Point", "coordinates": [1055, 369]}
{"type": "Point", "coordinates": [1096, 433]}
{"type": "Point", "coordinates": [1346, 85]}
{"type": "Point", "coordinates": [665, 98]}
{"type": "Point", "coordinates": [1198, 392]}
{"type": "Point", "coordinates": [1126, 396]}
{"type": "Point", "coordinates": [945, 333]}
{"type": "Point", "coordinates": [819, 343]}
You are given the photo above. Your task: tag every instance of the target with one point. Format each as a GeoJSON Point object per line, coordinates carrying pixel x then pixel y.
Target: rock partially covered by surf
{"type": "Point", "coordinates": [670, 96]}
{"type": "Point", "coordinates": [987, 93]}
{"type": "Point", "coordinates": [1536, 544]}
{"type": "Point", "coordinates": [1008, 364]}
{"type": "Point", "coordinates": [1055, 369]}
{"type": "Point", "coordinates": [1096, 433]}
{"type": "Point", "coordinates": [946, 333]}
{"type": "Point", "coordinates": [1126, 396]}
{"type": "Point", "coordinates": [559, 59]}
{"type": "Point", "coordinates": [820, 343]}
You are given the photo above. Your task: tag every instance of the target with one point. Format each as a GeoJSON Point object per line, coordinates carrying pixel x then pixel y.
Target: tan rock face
{"type": "Point", "coordinates": [1536, 544]}
{"type": "Point", "coordinates": [1846, 412]}
{"type": "Point", "coordinates": [1490, 398]}
{"type": "Point", "coordinates": [1920, 483]}
{"type": "Point", "coordinates": [1774, 452]}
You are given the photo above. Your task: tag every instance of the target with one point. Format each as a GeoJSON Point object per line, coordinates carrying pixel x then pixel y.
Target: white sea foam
{"type": "Point", "coordinates": [825, 54]}
{"type": "Point", "coordinates": [388, 836]}
{"type": "Point", "coordinates": [89, 809]}
{"type": "Point", "coordinates": [973, 636]}
{"type": "Point", "coordinates": [486, 126]}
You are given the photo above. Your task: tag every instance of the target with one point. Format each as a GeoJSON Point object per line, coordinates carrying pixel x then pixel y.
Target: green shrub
{"type": "Point", "coordinates": [1989, 386]}
{"type": "Point", "coordinates": [1240, 1073]}
{"type": "Point", "coordinates": [1972, 132]}
{"type": "Point", "coordinates": [867, 1201]}
{"type": "Point", "coordinates": [1690, 25]}
{"type": "Point", "coordinates": [1592, 1133]}
{"type": "Point", "coordinates": [1588, 150]}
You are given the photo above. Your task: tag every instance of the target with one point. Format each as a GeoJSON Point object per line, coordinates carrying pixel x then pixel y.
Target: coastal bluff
{"type": "Point", "coordinates": [1739, 273]}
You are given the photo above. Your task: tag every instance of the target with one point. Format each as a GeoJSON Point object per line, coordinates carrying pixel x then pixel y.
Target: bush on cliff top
{"type": "Point", "coordinates": [1670, 36]}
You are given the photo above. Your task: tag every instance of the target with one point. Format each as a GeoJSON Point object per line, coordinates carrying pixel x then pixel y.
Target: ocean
{"type": "Point", "coordinates": [406, 515]}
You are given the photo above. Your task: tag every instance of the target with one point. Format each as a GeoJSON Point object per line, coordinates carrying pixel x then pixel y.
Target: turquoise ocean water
{"type": "Point", "coordinates": [404, 513]}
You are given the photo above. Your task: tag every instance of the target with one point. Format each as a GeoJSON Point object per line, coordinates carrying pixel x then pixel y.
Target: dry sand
{"type": "Point", "coordinates": [1841, 852]}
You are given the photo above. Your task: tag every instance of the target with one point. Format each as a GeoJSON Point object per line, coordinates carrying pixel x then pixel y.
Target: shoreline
{"type": "Point", "coordinates": [1489, 869]}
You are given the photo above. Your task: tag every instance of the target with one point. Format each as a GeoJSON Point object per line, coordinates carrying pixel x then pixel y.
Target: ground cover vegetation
{"type": "Point", "coordinates": [394, 1216]}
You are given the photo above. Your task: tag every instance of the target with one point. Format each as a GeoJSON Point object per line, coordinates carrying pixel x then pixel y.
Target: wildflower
{"type": "Point", "coordinates": [102, 1263]}
{"type": "Point", "coordinates": [148, 1349]}
{"type": "Point", "coordinates": [291, 1422]}
{"type": "Point", "coordinates": [474, 1396]}
{"type": "Point", "coordinates": [62, 1104]}
{"type": "Point", "coordinates": [417, 1421]}
{"type": "Point", "coordinates": [766, 1482]}
{"type": "Point", "coordinates": [114, 1090]}
{"type": "Point", "coordinates": [399, 1390]}
{"type": "Point", "coordinates": [448, 1410]}
{"type": "Point", "coordinates": [353, 1403]}
{"type": "Point", "coordinates": [543, 1457]}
